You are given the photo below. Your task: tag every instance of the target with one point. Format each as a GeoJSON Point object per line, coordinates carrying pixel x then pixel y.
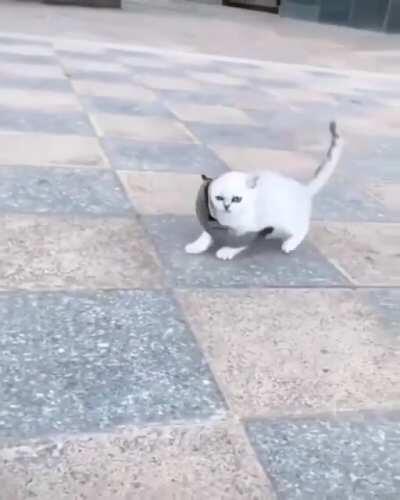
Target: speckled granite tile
{"type": "Point", "coordinates": [90, 362]}
{"type": "Point", "coordinates": [386, 303]}
{"type": "Point", "coordinates": [62, 191]}
{"type": "Point", "coordinates": [263, 266]}
{"type": "Point", "coordinates": [346, 459]}
{"type": "Point", "coordinates": [27, 58]}
{"type": "Point", "coordinates": [52, 253]}
{"type": "Point", "coordinates": [18, 40]}
{"type": "Point", "coordinates": [200, 461]}
{"type": "Point", "coordinates": [168, 157]}
{"type": "Point", "coordinates": [240, 135]}
{"type": "Point", "coordinates": [17, 120]}
{"type": "Point", "coordinates": [126, 106]}
{"type": "Point", "coordinates": [30, 82]}
{"type": "Point", "coordinates": [295, 351]}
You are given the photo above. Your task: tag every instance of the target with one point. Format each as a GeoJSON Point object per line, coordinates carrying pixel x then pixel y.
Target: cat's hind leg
{"type": "Point", "coordinates": [228, 253]}
{"type": "Point", "coordinates": [202, 244]}
{"type": "Point", "coordinates": [294, 240]}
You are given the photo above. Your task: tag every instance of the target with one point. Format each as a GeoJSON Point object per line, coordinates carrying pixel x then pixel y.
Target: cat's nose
{"type": "Point", "coordinates": [227, 207]}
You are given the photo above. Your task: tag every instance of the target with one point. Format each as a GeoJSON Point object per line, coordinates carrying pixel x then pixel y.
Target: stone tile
{"type": "Point", "coordinates": [388, 195]}
{"type": "Point", "coordinates": [263, 266]}
{"type": "Point", "coordinates": [141, 128]}
{"type": "Point", "coordinates": [74, 65]}
{"type": "Point", "coordinates": [12, 40]}
{"type": "Point", "coordinates": [368, 253]}
{"type": "Point", "coordinates": [18, 120]}
{"type": "Point", "coordinates": [92, 361]}
{"type": "Point", "coordinates": [210, 114]}
{"type": "Point", "coordinates": [52, 253]}
{"type": "Point", "coordinates": [22, 58]}
{"type": "Point", "coordinates": [124, 106]}
{"type": "Point", "coordinates": [385, 302]}
{"type": "Point", "coordinates": [99, 75]}
{"type": "Point", "coordinates": [38, 100]}
{"type": "Point", "coordinates": [33, 70]}
{"type": "Point", "coordinates": [299, 351]}
{"type": "Point", "coordinates": [158, 193]}
{"type": "Point", "coordinates": [144, 61]}
{"type": "Point", "coordinates": [61, 191]}
{"type": "Point", "coordinates": [217, 78]}
{"type": "Point", "coordinates": [161, 82]}
{"type": "Point", "coordinates": [107, 89]}
{"type": "Point", "coordinates": [239, 135]}
{"type": "Point", "coordinates": [33, 83]}
{"type": "Point", "coordinates": [348, 458]}
{"type": "Point", "coordinates": [44, 150]}
{"type": "Point", "coordinates": [188, 462]}
{"type": "Point", "coordinates": [172, 157]}
{"type": "Point", "coordinates": [294, 164]}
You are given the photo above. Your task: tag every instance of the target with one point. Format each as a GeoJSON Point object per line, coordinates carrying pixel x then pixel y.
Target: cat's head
{"type": "Point", "coordinates": [231, 195]}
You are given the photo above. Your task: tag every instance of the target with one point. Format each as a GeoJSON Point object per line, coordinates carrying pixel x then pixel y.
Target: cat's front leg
{"type": "Point", "coordinates": [202, 244]}
{"type": "Point", "coordinates": [228, 253]}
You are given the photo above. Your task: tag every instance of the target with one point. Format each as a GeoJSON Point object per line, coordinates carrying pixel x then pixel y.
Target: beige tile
{"type": "Point", "coordinates": [387, 194]}
{"type": "Point", "coordinates": [369, 253]}
{"type": "Point", "coordinates": [168, 82]}
{"type": "Point", "coordinates": [294, 351]}
{"type": "Point", "coordinates": [32, 70]}
{"type": "Point", "coordinates": [77, 64]}
{"type": "Point", "coordinates": [198, 462]}
{"type": "Point", "coordinates": [42, 252]}
{"type": "Point", "coordinates": [39, 100]}
{"type": "Point", "coordinates": [161, 193]}
{"type": "Point", "coordinates": [109, 89]}
{"type": "Point", "coordinates": [210, 114]}
{"type": "Point", "coordinates": [145, 62]}
{"type": "Point", "coordinates": [297, 165]}
{"type": "Point", "coordinates": [49, 150]}
{"type": "Point", "coordinates": [217, 78]}
{"type": "Point", "coordinates": [141, 128]}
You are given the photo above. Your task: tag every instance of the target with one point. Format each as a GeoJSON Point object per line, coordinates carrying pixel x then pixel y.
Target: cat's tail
{"type": "Point", "coordinates": [327, 167]}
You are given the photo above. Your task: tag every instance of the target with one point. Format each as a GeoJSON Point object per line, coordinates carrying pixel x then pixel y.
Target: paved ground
{"type": "Point", "coordinates": [131, 370]}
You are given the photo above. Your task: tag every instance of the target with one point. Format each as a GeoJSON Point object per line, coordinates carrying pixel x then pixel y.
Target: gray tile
{"type": "Point", "coordinates": [103, 76]}
{"type": "Point", "coordinates": [124, 106]}
{"type": "Point", "coordinates": [262, 266]}
{"type": "Point", "coordinates": [13, 120]}
{"type": "Point", "coordinates": [34, 83]}
{"type": "Point", "coordinates": [386, 303]}
{"type": "Point", "coordinates": [15, 40]}
{"type": "Point", "coordinates": [327, 459]}
{"type": "Point", "coordinates": [80, 362]}
{"type": "Point", "coordinates": [341, 200]}
{"type": "Point", "coordinates": [27, 59]}
{"type": "Point", "coordinates": [61, 191]}
{"type": "Point", "coordinates": [240, 135]}
{"type": "Point", "coordinates": [184, 158]}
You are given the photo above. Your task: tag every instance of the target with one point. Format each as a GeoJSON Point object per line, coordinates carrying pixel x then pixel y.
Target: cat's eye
{"type": "Point", "coordinates": [219, 198]}
{"type": "Point", "coordinates": [236, 199]}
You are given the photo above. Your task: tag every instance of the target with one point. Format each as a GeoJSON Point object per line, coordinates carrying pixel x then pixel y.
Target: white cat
{"type": "Point", "coordinates": [251, 202]}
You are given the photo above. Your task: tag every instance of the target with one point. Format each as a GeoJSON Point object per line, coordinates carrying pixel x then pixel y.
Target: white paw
{"type": "Point", "coordinates": [226, 253]}
{"type": "Point", "coordinates": [288, 246]}
{"type": "Point", "coordinates": [194, 248]}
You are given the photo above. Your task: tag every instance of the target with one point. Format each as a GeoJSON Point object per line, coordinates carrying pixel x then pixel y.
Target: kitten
{"type": "Point", "coordinates": [251, 202]}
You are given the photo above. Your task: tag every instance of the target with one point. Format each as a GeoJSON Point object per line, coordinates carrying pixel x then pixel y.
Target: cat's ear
{"type": "Point", "coordinates": [252, 181]}
{"type": "Point", "coordinates": [206, 178]}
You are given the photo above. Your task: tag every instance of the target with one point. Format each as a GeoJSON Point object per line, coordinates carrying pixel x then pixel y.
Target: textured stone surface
{"type": "Point", "coordinates": [210, 114]}
{"type": "Point", "coordinates": [89, 362]}
{"type": "Point", "coordinates": [52, 253]}
{"type": "Point", "coordinates": [186, 461]}
{"type": "Point", "coordinates": [353, 458]}
{"type": "Point", "coordinates": [171, 157]}
{"type": "Point", "coordinates": [295, 351]}
{"type": "Point", "coordinates": [119, 105]}
{"type": "Point", "coordinates": [121, 90]}
{"type": "Point", "coordinates": [39, 100]}
{"type": "Point", "coordinates": [42, 150]}
{"type": "Point", "coordinates": [62, 191]}
{"type": "Point", "coordinates": [156, 193]}
{"type": "Point", "coordinates": [263, 266]}
{"type": "Point", "coordinates": [368, 253]}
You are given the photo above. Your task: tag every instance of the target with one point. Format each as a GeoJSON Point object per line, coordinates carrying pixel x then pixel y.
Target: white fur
{"type": "Point", "coordinates": [202, 244]}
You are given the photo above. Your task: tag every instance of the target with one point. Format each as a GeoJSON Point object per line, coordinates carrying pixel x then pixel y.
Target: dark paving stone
{"type": "Point", "coordinates": [33, 83]}
{"type": "Point", "coordinates": [386, 302]}
{"type": "Point", "coordinates": [183, 158]}
{"type": "Point", "coordinates": [241, 135]}
{"type": "Point", "coordinates": [102, 76]}
{"type": "Point", "coordinates": [15, 40]}
{"type": "Point", "coordinates": [331, 459]}
{"type": "Point", "coordinates": [125, 106]}
{"type": "Point", "coordinates": [61, 190]}
{"type": "Point", "coordinates": [28, 59]}
{"type": "Point", "coordinates": [80, 362]}
{"type": "Point", "coordinates": [344, 201]}
{"type": "Point", "coordinates": [264, 265]}
{"type": "Point", "coordinates": [17, 120]}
